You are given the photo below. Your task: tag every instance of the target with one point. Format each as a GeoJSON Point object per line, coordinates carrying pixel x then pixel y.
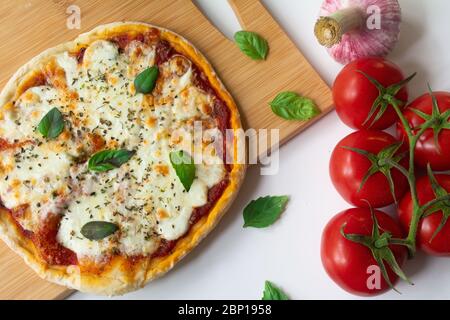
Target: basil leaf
{"type": "Point", "coordinates": [272, 292]}
{"type": "Point", "coordinates": [291, 106]}
{"type": "Point", "coordinates": [109, 159]}
{"type": "Point", "coordinates": [97, 230]}
{"type": "Point", "coordinates": [52, 124]}
{"type": "Point", "coordinates": [264, 211]}
{"type": "Point", "coordinates": [184, 167]}
{"type": "Point", "coordinates": [146, 80]}
{"type": "Point", "coordinates": [252, 44]}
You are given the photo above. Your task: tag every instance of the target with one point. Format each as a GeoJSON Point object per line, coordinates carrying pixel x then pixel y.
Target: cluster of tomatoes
{"type": "Point", "coordinates": [363, 172]}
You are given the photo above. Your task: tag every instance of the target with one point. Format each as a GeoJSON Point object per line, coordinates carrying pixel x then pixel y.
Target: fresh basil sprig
{"type": "Point", "coordinates": [146, 80]}
{"type": "Point", "coordinates": [272, 292]}
{"type": "Point", "coordinates": [252, 44]}
{"type": "Point", "coordinates": [52, 124]}
{"type": "Point", "coordinates": [291, 106]}
{"type": "Point", "coordinates": [97, 230]}
{"type": "Point", "coordinates": [264, 211]}
{"type": "Point", "coordinates": [109, 159]}
{"type": "Point", "coordinates": [184, 167]}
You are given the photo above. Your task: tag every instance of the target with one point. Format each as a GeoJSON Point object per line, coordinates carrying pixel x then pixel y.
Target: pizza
{"type": "Point", "coordinates": [92, 196]}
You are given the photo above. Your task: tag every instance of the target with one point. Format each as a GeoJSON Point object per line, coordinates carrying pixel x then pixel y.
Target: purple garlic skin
{"type": "Point", "coordinates": [366, 41]}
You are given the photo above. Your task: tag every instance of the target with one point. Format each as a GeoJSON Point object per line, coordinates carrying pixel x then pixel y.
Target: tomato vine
{"type": "Point", "coordinates": [435, 121]}
{"type": "Point", "coordinates": [418, 210]}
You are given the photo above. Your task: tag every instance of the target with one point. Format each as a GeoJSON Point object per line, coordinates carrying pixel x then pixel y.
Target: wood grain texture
{"type": "Point", "coordinates": [31, 26]}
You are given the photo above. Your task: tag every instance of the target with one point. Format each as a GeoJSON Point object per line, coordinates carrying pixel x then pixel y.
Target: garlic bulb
{"type": "Point", "coordinates": [353, 29]}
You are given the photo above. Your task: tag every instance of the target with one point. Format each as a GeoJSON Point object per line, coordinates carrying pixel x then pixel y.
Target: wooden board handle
{"type": "Point", "coordinates": [286, 69]}
{"type": "Point", "coordinates": [250, 13]}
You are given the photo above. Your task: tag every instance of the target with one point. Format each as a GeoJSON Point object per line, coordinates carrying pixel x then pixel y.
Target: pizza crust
{"type": "Point", "coordinates": [120, 275]}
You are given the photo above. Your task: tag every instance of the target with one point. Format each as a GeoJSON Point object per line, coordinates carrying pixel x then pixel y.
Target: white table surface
{"type": "Point", "coordinates": [232, 262]}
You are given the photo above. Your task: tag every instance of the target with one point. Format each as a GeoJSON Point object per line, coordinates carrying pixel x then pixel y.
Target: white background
{"type": "Point", "coordinates": [232, 262]}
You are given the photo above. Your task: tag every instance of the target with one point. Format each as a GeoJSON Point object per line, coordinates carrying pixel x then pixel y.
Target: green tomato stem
{"type": "Point", "coordinates": [403, 242]}
{"type": "Point", "coordinates": [412, 139]}
{"type": "Point", "coordinates": [410, 241]}
{"type": "Point", "coordinates": [418, 211]}
{"type": "Point", "coordinates": [430, 204]}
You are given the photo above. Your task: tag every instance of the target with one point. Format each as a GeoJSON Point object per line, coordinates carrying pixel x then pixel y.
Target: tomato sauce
{"type": "Point", "coordinates": [5, 145]}
{"type": "Point", "coordinates": [38, 79]}
{"type": "Point", "coordinates": [165, 247]}
{"type": "Point", "coordinates": [124, 39]}
{"type": "Point", "coordinates": [148, 37]}
{"type": "Point", "coordinates": [80, 55]}
{"type": "Point", "coordinates": [50, 249]}
{"type": "Point", "coordinates": [14, 215]}
{"type": "Point", "coordinates": [45, 239]}
{"type": "Point", "coordinates": [164, 52]}
{"type": "Point", "coordinates": [213, 195]}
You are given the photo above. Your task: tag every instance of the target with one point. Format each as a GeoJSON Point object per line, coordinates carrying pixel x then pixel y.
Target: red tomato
{"type": "Point", "coordinates": [440, 246]}
{"type": "Point", "coordinates": [348, 168]}
{"type": "Point", "coordinates": [426, 150]}
{"type": "Point", "coordinates": [349, 263]}
{"type": "Point", "coordinates": [354, 94]}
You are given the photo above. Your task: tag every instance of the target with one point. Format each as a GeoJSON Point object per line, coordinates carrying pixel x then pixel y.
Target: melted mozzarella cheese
{"type": "Point", "coordinates": [34, 175]}
{"type": "Point", "coordinates": [144, 197]}
{"type": "Point", "coordinates": [108, 109]}
{"type": "Point", "coordinates": [20, 122]}
{"type": "Point", "coordinates": [100, 56]}
{"type": "Point", "coordinates": [84, 209]}
{"type": "Point", "coordinates": [175, 84]}
{"type": "Point", "coordinates": [70, 66]}
{"type": "Point", "coordinates": [141, 56]}
{"type": "Point", "coordinates": [187, 104]}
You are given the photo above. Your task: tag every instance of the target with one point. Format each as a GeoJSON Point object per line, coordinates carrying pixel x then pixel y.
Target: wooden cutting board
{"type": "Point", "coordinates": [30, 26]}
